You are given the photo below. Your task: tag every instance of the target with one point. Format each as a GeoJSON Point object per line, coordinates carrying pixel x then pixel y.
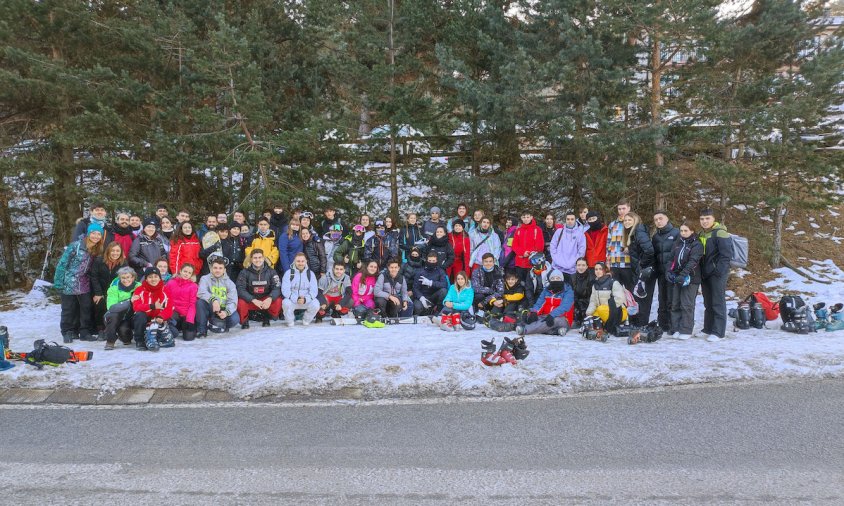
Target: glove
{"type": "Point", "coordinates": [421, 242]}
{"type": "Point", "coordinates": [532, 317]}
{"type": "Point", "coordinates": [425, 281]}
{"type": "Point", "coordinates": [425, 302]}
{"type": "Point", "coordinates": [687, 280]}
{"type": "Point", "coordinates": [549, 320]}
{"type": "Point", "coordinates": [671, 277]}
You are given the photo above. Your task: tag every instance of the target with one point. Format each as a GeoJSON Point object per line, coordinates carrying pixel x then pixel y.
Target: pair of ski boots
{"type": "Point", "coordinates": [449, 322]}
{"type": "Point", "coordinates": [650, 334]}
{"type": "Point", "coordinates": [829, 318]}
{"type": "Point", "coordinates": [158, 336]}
{"type": "Point", "coordinates": [593, 329]}
{"type": "Point", "coordinates": [510, 352]}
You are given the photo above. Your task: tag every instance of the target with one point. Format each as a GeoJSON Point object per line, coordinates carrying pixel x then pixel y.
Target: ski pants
{"type": "Point", "coordinates": [77, 314]}
{"type": "Point", "coordinates": [683, 308]}
{"type": "Point", "coordinates": [244, 307]}
{"type": "Point", "coordinates": [540, 326]}
{"type": "Point", "coordinates": [118, 321]}
{"type": "Point", "coordinates": [714, 290]}
{"type": "Point", "coordinates": [331, 301]}
{"type": "Point", "coordinates": [390, 309]}
{"type": "Point", "coordinates": [290, 306]}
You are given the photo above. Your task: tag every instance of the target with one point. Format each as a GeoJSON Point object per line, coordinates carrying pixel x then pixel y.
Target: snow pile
{"type": "Point", "coordinates": [411, 360]}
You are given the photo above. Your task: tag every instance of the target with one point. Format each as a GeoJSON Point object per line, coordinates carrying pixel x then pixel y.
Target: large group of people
{"type": "Point", "coordinates": [149, 280]}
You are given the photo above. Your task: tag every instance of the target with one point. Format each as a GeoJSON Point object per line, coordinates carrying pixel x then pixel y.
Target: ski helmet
{"type": "Point", "coordinates": [467, 321]}
{"type": "Point", "coordinates": [537, 260]}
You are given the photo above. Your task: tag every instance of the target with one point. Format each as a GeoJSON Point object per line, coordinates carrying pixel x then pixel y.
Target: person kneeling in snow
{"type": "Point", "coordinates": [258, 289]}
{"type": "Point", "coordinates": [152, 310]}
{"type": "Point", "coordinates": [299, 289]}
{"type": "Point", "coordinates": [216, 304]}
{"type": "Point", "coordinates": [335, 293]}
{"type": "Point", "coordinates": [548, 315]}
{"type": "Point", "coordinates": [487, 280]}
{"type": "Point", "coordinates": [118, 317]}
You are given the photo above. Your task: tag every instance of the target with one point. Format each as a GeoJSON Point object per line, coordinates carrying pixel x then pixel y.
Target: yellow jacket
{"type": "Point", "coordinates": [267, 245]}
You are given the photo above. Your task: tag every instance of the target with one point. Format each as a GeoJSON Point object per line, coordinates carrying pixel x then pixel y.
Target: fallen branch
{"type": "Point", "coordinates": [805, 275]}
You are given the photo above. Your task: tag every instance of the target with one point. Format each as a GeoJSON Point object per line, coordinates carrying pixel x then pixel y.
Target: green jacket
{"type": "Point", "coordinates": [117, 293]}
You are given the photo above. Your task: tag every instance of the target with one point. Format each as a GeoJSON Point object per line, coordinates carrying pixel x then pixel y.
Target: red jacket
{"type": "Point", "coordinates": [462, 246]}
{"type": "Point", "coordinates": [149, 295]}
{"type": "Point", "coordinates": [596, 246]}
{"type": "Point", "coordinates": [185, 251]}
{"type": "Point", "coordinates": [527, 238]}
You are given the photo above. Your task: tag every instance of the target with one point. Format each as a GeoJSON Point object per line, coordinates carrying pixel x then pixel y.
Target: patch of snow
{"type": "Point", "coordinates": [800, 232]}
{"type": "Point", "coordinates": [766, 218]}
{"type": "Point", "coordinates": [814, 225]}
{"type": "Point", "coordinates": [740, 207]}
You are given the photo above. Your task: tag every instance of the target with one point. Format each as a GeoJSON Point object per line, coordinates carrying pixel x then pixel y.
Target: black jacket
{"type": "Point", "coordinates": [442, 247]}
{"type": "Point", "coordinates": [435, 274]}
{"type": "Point", "coordinates": [408, 270]}
{"type": "Point", "coordinates": [255, 283]}
{"type": "Point", "coordinates": [326, 224]}
{"type": "Point", "coordinates": [641, 250]}
{"type": "Point", "coordinates": [278, 223]}
{"type": "Point", "coordinates": [685, 258]}
{"type": "Point", "coordinates": [582, 286]}
{"type": "Point", "coordinates": [717, 252]}
{"type": "Point", "coordinates": [101, 276]}
{"type": "Point", "coordinates": [315, 253]}
{"type": "Point", "coordinates": [145, 252]}
{"type": "Point", "coordinates": [409, 236]}
{"type": "Point", "coordinates": [663, 241]}
{"type": "Point", "coordinates": [233, 250]}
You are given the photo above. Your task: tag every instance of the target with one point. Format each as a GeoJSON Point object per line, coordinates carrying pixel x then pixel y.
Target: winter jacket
{"type": "Point", "coordinates": [408, 270]}
{"type": "Point", "coordinates": [185, 251]}
{"type": "Point", "coordinates": [386, 286]}
{"type": "Point", "coordinates": [118, 293]}
{"type": "Point", "coordinates": [73, 270]}
{"type": "Point", "coordinates": [604, 288]}
{"type": "Point", "coordinates": [381, 249]}
{"type": "Point", "coordinates": [527, 238]}
{"type": "Point", "coordinates": [429, 228]}
{"type": "Point", "coordinates": [685, 259]}
{"type": "Point", "coordinates": [582, 287]}
{"type": "Point", "coordinates": [717, 252]}
{"type": "Point", "coordinates": [482, 243]}
{"type": "Point", "coordinates": [330, 247]}
{"type": "Point", "coordinates": [333, 287]}
{"type": "Point", "coordinates": [486, 283]}
{"type": "Point", "coordinates": [616, 256]}
{"type": "Point", "coordinates": [148, 296]}
{"type": "Point", "coordinates": [326, 224]}
{"type": "Point", "coordinates": [267, 244]}
{"type": "Point", "coordinates": [352, 246]}
{"type": "Point", "coordinates": [567, 245]}
{"type": "Point", "coordinates": [81, 229]}
{"type": "Point", "coordinates": [145, 251]}
{"type": "Point", "coordinates": [410, 236]}
{"type": "Point", "coordinates": [233, 250]}
{"type": "Point", "coordinates": [182, 294]}
{"type": "Point", "coordinates": [363, 294]}
{"type": "Point", "coordinates": [462, 299]}
{"type": "Point", "coordinates": [278, 223]}
{"type": "Point", "coordinates": [640, 250]}
{"type": "Point", "coordinates": [554, 304]}
{"type": "Point", "coordinates": [514, 297]}
{"type": "Point", "coordinates": [596, 246]}
{"type": "Point", "coordinates": [288, 247]}
{"type": "Point", "coordinates": [101, 276]}
{"type": "Point", "coordinates": [548, 234]}
{"type": "Point", "coordinates": [437, 276]}
{"type": "Point", "coordinates": [663, 241]}
{"type": "Point", "coordinates": [123, 236]}
{"type": "Point", "coordinates": [258, 283]}
{"type": "Point", "coordinates": [315, 253]}
{"type": "Point", "coordinates": [442, 247]}
{"type": "Point", "coordinates": [507, 248]}
{"type": "Point", "coordinates": [296, 284]}
{"type": "Point", "coordinates": [461, 244]}
{"type": "Point", "coordinates": [221, 289]}
{"type": "Point", "coordinates": [535, 283]}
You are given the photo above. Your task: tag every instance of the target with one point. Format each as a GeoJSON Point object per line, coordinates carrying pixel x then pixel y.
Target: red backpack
{"type": "Point", "coordinates": [772, 309]}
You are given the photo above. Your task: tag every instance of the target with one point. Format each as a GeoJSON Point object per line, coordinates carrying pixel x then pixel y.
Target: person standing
{"type": "Point", "coordinates": [484, 241]}
{"type": "Point", "coordinates": [618, 259]}
{"type": "Point", "coordinates": [714, 271]}
{"type": "Point", "coordinates": [663, 240]}
{"type": "Point", "coordinates": [527, 240]}
{"type": "Point", "coordinates": [639, 247]}
{"type": "Point", "coordinates": [429, 228]}
{"type": "Point", "coordinates": [567, 245]}
{"type": "Point", "coordinates": [596, 239]}
{"type": "Point", "coordinates": [682, 277]}
{"type": "Point", "coordinates": [73, 281]}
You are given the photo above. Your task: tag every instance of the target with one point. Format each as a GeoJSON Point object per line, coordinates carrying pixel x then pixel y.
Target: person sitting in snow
{"type": "Point", "coordinates": [216, 305]}
{"type": "Point", "coordinates": [430, 286]}
{"type": "Point", "coordinates": [457, 303]}
{"type": "Point", "coordinates": [415, 261]}
{"type": "Point", "coordinates": [363, 289]}
{"type": "Point", "coordinates": [487, 280]}
{"type": "Point", "coordinates": [258, 289]}
{"type": "Point", "coordinates": [547, 316]}
{"type": "Point", "coordinates": [390, 292]}
{"type": "Point", "coordinates": [152, 310]}
{"type": "Point", "coordinates": [537, 277]}
{"type": "Point", "coordinates": [181, 291]}
{"type": "Point", "coordinates": [508, 306]}
{"type": "Point", "coordinates": [300, 289]}
{"type": "Point", "coordinates": [335, 293]}
{"type": "Point", "coordinates": [608, 301]}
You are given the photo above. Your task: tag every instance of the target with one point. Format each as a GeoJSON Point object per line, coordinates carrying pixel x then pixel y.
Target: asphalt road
{"type": "Point", "coordinates": [768, 443]}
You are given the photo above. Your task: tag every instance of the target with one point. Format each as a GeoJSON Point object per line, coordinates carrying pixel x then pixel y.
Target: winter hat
{"type": "Point", "coordinates": [95, 227]}
{"type": "Point", "coordinates": [150, 221]}
{"type": "Point", "coordinates": [555, 274]}
{"type": "Point", "coordinates": [457, 221]}
{"type": "Point", "coordinates": [149, 271]}
{"type": "Point", "coordinates": [436, 210]}
{"type": "Point", "coordinates": [235, 225]}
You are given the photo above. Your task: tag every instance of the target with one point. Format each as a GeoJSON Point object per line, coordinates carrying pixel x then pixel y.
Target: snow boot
{"type": "Point", "coordinates": [67, 337]}
{"type": "Point", "coordinates": [265, 319]}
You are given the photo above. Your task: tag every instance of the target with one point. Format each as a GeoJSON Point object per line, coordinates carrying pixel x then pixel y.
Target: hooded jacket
{"type": "Point", "coordinates": [124, 236]}
{"type": "Point", "coordinates": [296, 284]}
{"type": "Point", "coordinates": [148, 296]}
{"type": "Point", "coordinates": [410, 236]}
{"type": "Point", "coordinates": [145, 251]}
{"type": "Point", "coordinates": [353, 246]}
{"type": "Point", "coordinates": [641, 250]}
{"type": "Point", "coordinates": [266, 243]}
{"type": "Point", "coordinates": [221, 289]}
{"type": "Point", "coordinates": [185, 251]}
{"type": "Point", "coordinates": [663, 241]}
{"type": "Point", "coordinates": [482, 243]}
{"type": "Point", "coordinates": [258, 283]}
{"type": "Point", "coordinates": [182, 294]}
{"type": "Point", "coordinates": [717, 252]}
{"type": "Point", "coordinates": [462, 299]}
{"type": "Point", "coordinates": [387, 286]}
{"type": "Point", "coordinates": [442, 247]}
{"type": "Point", "coordinates": [334, 287]}
{"type": "Point", "coordinates": [604, 288]}
{"type": "Point", "coordinates": [685, 259]}
{"type": "Point", "coordinates": [555, 304]}
{"type": "Point", "coordinates": [437, 276]}
{"type": "Point", "coordinates": [118, 293]}
{"type": "Point", "coordinates": [596, 244]}
{"type": "Point", "coordinates": [381, 249]}
{"type": "Point", "coordinates": [567, 245]}
{"type": "Point", "coordinates": [409, 269]}
{"type": "Point", "coordinates": [527, 238]}
{"type": "Point", "coordinates": [363, 290]}
{"type": "Point", "coordinates": [315, 253]}
{"type": "Point", "coordinates": [73, 270]}
{"type": "Point", "coordinates": [461, 244]}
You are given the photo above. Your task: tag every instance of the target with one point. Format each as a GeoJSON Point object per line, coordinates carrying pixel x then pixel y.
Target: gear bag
{"type": "Point", "coordinates": [789, 305]}
{"type": "Point", "coordinates": [740, 251]}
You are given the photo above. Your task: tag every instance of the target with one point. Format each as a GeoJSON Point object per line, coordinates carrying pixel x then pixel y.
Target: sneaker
{"type": "Point", "coordinates": [703, 335]}
{"type": "Point", "coordinates": [108, 346]}
{"type": "Point", "coordinates": [682, 337]}
{"type": "Point", "coordinates": [305, 323]}
{"type": "Point", "coordinates": [714, 339]}
{"type": "Point", "coordinates": [674, 335]}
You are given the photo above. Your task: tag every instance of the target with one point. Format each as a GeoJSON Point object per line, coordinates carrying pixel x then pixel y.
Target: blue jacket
{"type": "Point", "coordinates": [462, 300]}
{"type": "Point", "coordinates": [287, 249]}
{"type": "Point", "coordinates": [549, 300]}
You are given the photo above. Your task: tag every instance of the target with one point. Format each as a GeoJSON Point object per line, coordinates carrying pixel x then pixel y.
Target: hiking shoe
{"type": "Point", "coordinates": [67, 337]}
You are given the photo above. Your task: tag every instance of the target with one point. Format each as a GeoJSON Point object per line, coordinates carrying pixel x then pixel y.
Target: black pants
{"type": "Point", "coordinates": [118, 323]}
{"type": "Point", "coordinates": [683, 308]}
{"type": "Point", "coordinates": [99, 314]}
{"type": "Point", "coordinates": [178, 323]}
{"type": "Point", "coordinates": [436, 301]}
{"type": "Point", "coordinates": [714, 290]}
{"type": "Point", "coordinates": [663, 301]}
{"type": "Point", "coordinates": [523, 273]}
{"type": "Point", "coordinates": [624, 275]}
{"type": "Point", "coordinates": [139, 326]}
{"type": "Point", "coordinates": [78, 314]}
{"type": "Point", "coordinates": [391, 310]}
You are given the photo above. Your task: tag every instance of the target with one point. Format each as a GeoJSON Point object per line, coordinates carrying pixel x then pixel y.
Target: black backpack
{"type": "Point", "coordinates": [790, 306]}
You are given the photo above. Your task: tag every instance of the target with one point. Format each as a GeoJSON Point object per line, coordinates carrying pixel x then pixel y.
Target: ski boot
{"type": "Point", "coordinates": [520, 351]}
{"type": "Point", "coordinates": [821, 315]}
{"type": "Point", "coordinates": [505, 352]}
{"type": "Point", "coordinates": [456, 322]}
{"type": "Point", "coordinates": [489, 356]}
{"type": "Point", "coordinates": [151, 338]}
{"type": "Point", "coordinates": [445, 322]}
{"type": "Point", "coordinates": [634, 336]}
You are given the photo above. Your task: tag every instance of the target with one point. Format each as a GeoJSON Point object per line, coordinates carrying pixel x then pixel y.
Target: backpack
{"type": "Point", "coordinates": [54, 354]}
{"type": "Point", "coordinates": [741, 246]}
{"type": "Point", "coordinates": [630, 303]}
{"type": "Point", "coordinates": [771, 308]}
{"type": "Point", "coordinates": [789, 306]}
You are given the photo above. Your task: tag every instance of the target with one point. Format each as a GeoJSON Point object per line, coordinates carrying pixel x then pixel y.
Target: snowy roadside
{"type": "Point", "coordinates": [421, 360]}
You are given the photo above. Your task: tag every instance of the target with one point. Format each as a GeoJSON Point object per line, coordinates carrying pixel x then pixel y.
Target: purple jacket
{"type": "Point", "coordinates": [567, 245]}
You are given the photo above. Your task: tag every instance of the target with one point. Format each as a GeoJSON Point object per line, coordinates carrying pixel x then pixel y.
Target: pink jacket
{"type": "Point", "coordinates": [367, 298]}
{"type": "Point", "coordinates": [182, 294]}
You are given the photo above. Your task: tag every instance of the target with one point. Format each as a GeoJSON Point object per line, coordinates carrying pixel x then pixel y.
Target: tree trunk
{"type": "Point", "coordinates": [394, 180]}
{"type": "Point", "coordinates": [656, 114]}
{"type": "Point", "coordinates": [7, 235]}
{"type": "Point", "coordinates": [776, 254]}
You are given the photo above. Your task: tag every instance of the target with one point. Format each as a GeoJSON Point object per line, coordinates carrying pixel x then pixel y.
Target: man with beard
{"type": "Point", "coordinates": [120, 232]}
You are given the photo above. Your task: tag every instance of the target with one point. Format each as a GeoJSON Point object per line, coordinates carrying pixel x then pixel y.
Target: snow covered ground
{"type": "Point", "coordinates": [412, 360]}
